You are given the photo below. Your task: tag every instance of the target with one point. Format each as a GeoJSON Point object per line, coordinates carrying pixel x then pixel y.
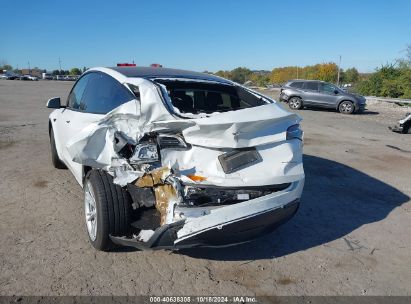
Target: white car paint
{"type": "Point", "coordinates": [84, 139]}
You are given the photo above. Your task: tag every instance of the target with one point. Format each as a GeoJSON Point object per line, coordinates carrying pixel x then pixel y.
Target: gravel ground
{"type": "Point", "coordinates": [351, 236]}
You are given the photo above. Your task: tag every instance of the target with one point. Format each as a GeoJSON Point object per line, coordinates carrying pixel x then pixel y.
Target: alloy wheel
{"type": "Point", "coordinates": [90, 209]}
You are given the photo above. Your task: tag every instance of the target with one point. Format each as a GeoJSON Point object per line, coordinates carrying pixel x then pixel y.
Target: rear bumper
{"type": "Point", "coordinates": [284, 97]}
{"type": "Point", "coordinates": [226, 226]}
{"type": "Point", "coordinates": [243, 230]}
{"type": "Point", "coordinates": [360, 107]}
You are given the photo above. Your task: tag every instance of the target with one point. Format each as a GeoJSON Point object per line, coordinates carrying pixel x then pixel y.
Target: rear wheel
{"type": "Point", "coordinates": [406, 128]}
{"type": "Point", "coordinates": [107, 209]}
{"type": "Point", "coordinates": [346, 107]}
{"type": "Point", "coordinates": [295, 103]}
{"type": "Point", "coordinates": [56, 161]}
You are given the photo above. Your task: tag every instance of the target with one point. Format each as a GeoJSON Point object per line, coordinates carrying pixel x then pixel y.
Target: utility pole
{"type": "Point", "coordinates": [338, 75]}
{"type": "Point", "coordinates": [60, 63]}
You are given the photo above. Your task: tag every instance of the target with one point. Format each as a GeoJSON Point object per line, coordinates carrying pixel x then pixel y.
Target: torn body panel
{"type": "Point", "coordinates": [227, 225]}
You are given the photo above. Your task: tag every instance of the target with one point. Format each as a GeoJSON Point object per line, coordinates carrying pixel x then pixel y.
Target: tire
{"type": "Point", "coordinates": [346, 107]}
{"type": "Point", "coordinates": [56, 161]}
{"type": "Point", "coordinates": [407, 128]}
{"type": "Point", "coordinates": [110, 214]}
{"type": "Point", "coordinates": [295, 103]}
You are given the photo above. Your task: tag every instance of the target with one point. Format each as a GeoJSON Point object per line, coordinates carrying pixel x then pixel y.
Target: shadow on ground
{"type": "Point", "coordinates": [365, 112]}
{"type": "Point", "coordinates": [337, 199]}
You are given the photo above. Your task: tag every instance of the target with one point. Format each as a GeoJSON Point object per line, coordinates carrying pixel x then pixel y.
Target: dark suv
{"type": "Point", "coordinates": [315, 93]}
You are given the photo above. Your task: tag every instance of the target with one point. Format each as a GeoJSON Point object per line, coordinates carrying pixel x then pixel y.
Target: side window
{"type": "Point", "coordinates": [104, 94]}
{"type": "Point", "coordinates": [327, 87]}
{"type": "Point", "coordinates": [77, 92]}
{"type": "Point", "coordinates": [311, 85]}
{"type": "Point", "coordinates": [135, 90]}
{"type": "Point", "coordinates": [297, 85]}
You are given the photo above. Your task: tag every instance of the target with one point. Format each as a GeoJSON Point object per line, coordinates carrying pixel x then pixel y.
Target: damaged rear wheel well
{"type": "Point", "coordinates": [86, 169]}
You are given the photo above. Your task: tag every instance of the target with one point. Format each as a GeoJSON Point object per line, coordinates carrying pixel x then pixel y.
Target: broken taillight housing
{"type": "Point", "coordinates": [166, 141]}
{"type": "Point", "coordinates": [145, 153]}
{"type": "Point", "coordinates": [295, 132]}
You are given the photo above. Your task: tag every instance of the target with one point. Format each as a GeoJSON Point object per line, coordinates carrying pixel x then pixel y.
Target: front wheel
{"type": "Point", "coordinates": [295, 103]}
{"type": "Point", "coordinates": [107, 209]}
{"type": "Point", "coordinates": [346, 107]}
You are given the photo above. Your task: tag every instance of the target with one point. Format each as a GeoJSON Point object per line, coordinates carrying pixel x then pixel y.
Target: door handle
{"type": "Point", "coordinates": [67, 121]}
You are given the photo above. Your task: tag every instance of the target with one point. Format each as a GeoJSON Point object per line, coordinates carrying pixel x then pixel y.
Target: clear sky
{"type": "Point", "coordinates": [204, 35]}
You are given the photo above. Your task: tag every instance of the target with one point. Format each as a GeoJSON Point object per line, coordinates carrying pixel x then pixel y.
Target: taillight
{"type": "Point", "coordinates": [295, 132]}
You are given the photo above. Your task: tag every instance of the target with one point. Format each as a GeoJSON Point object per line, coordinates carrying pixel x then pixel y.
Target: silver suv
{"type": "Point", "coordinates": [315, 93]}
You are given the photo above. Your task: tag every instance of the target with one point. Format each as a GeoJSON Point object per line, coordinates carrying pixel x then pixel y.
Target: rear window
{"type": "Point", "coordinates": [198, 97]}
{"type": "Point", "coordinates": [297, 85]}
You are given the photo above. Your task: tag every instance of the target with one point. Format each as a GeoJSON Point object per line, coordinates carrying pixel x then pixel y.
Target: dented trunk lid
{"type": "Point", "coordinates": [236, 129]}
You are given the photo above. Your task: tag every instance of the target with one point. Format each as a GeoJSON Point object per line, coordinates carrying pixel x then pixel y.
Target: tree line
{"type": "Point", "coordinates": [73, 71]}
{"type": "Point", "coordinates": [324, 71]}
{"type": "Point", "coordinates": [389, 80]}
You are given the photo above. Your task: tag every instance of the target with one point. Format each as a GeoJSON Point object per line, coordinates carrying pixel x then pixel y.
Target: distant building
{"type": "Point", "coordinates": [34, 72]}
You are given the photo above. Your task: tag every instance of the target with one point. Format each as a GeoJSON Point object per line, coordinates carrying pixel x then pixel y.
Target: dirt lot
{"type": "Point", "coordinates": [351, 236]}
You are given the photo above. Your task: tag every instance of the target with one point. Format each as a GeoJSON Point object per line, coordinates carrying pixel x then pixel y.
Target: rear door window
{"type": "Point", "coordinates": [104, 94]}
{"type": "Point", "coordinates": [76, 94]}
{"type": "Point", "coordinates": [311, 85]}
{"type": "Point", "coordinates": [297, 85]}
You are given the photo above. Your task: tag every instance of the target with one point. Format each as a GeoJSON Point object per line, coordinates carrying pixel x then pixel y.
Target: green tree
{"type": "Point", "coordinates": [351, 75]}
{"type": "Point", "coordinates": [260, 79]}
{"type": "Point", "coordinates": [75, 71]}
{"type": "Point", "coordinates": [6, 67]}
{"type": "Point", "coordinates": [224, 74]}
{"type": "Point", "coordinates": [240, 75]}
{"type": "Point", "coordinates": [388, 81]}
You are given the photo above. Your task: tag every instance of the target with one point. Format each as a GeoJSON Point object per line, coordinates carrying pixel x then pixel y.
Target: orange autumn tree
{"type": "Point", "coordinates": [323, 71]}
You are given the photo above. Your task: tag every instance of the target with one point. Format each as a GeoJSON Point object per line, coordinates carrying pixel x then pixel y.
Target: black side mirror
{"type": "Point", "coordinates": [336, 92]}
{"type": "Point", "coordinates": [54, 103]}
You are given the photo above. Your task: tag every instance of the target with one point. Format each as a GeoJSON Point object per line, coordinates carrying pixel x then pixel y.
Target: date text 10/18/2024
{"type": "Point", "coordinates": [203, 299]}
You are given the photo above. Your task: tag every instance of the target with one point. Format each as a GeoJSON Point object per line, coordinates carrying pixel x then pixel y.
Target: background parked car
{"type": "Point", "coordinates": [31, 77]}
{"type": "Point", "coordinates": [315, 93]}
{"type": "Point", "coordinates": [23, 77]}
{"type": "Point", "coordinates": [9, 76]}
{"type": "Point", "coordinates": [70, 78]}
{"type": "Point", "coordinates": [60, 77]}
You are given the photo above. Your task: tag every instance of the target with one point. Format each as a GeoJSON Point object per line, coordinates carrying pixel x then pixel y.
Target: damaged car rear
{"type": "Point", "coordinates": [175, 159]}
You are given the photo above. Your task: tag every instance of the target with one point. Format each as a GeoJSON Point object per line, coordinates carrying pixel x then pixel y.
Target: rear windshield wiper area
{"type": "Point", "coordinates": [208, 97]}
